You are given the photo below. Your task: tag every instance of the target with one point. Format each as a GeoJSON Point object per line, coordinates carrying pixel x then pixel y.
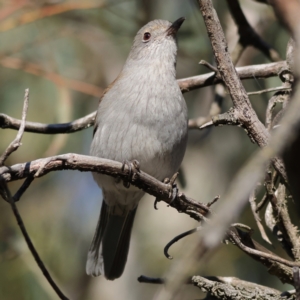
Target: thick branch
{"type": "Point", "coordinates": [234, 288]}
{"type": "Point", "coordinates": [241, 104]}
{"type": "Point", "coordinates": [84, 163]}
{"type": "Point", "coordinates": [247, 115]}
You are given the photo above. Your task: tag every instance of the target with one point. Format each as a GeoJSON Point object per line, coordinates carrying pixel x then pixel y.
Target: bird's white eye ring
{"type": "Point", "coordinates": [146, 37]}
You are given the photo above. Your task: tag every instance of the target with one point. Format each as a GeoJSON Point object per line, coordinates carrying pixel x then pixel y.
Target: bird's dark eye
{"type": "Point", "coordinates": [147, 36]}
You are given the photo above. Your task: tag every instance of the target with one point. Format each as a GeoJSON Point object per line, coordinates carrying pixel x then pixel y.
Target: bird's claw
{"type": "Point", "coordinates": [155, 203]}
{"type": "Point", "coordinates": [133, 168]}
{"type": "Point", "coordinates": [173, 189]}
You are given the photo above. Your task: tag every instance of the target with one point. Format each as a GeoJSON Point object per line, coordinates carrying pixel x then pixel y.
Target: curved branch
{"type": "Point", "coordinates": [277, 266]}
{"type": "Point", "coordinates": [176, 239]}
{"type": "Point", "coordinates": [142, 180]}
{"type": "Point", "coordinates": [76, 125]}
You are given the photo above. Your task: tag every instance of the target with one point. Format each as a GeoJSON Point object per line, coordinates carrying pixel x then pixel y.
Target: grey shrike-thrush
{"type": "Point", "coordinates": [141, 116]}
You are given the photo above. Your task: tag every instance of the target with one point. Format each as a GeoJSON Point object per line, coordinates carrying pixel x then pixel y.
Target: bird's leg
{"type": "Point", "coordinates": [133, 168]}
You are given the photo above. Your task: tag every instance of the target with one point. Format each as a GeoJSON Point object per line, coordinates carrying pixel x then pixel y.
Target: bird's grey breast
{"type": "Point", "coordinates": [143, 117]}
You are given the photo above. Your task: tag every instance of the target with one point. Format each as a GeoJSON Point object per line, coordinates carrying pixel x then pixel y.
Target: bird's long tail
{"type": "Point", "coordinates": [110, 245]}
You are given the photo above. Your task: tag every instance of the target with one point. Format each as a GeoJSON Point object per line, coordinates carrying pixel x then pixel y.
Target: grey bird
{"type": "Point", "coordinates": [141, 116]}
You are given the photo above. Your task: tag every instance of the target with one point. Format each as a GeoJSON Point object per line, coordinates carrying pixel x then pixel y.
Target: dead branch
{"type": "Point", "coordinates": [255, 213]}
{"type": "Point", "coordinates": [242, 112]}
{"type": "Point", "coordinates": [84, 163]}
{"type": "Point", "coordinates": [283, 228]}
{"type": "Point", "coordinates": [248, 72]}
{"type": "Point", "coordinates": [232, 288]}
{"type": "Point", "coordinates": [6, 195]}
{"type": "Point", "coordinates": [76, 125]}
{"type": "Point", "coordinates": [277, 266]}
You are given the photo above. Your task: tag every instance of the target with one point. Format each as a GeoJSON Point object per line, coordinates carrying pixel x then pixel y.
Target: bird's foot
{"type": "Point", "coordinates": [133, 168]}
{"type": "Point", "coordinates": [173, 189]}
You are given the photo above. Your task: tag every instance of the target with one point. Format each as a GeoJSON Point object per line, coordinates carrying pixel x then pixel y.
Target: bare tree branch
{"type": "Point", "coordinates": [76, 125]}
{"type": "Point", "coordinates": [262, 231]}
{"type": "Point", "coordinates": [261, 254]}
{"type": "Point", "coordinates": [248, 72]}
{"type": "Point", "coordinates": [5, 191]}
{"type": "Point", "coordinates": [146, 279]}
{"type": "Point", "coordinates": [84, 163]}
{"type": "Point", "coordinates": [242, 111]}
{"type": "Point", "coordinates": [246, 243]}
{"type": "Point", "coordinates": [232, 288]}
{"type": "Point", "coordinates": [285, 231]}
{"type": "Point", "coordinates": [6, 195]}
{"type": "Point", "coordinates": [16, 143]}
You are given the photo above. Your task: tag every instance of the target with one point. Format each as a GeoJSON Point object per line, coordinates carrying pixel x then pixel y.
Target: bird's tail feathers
{"type": "Point", "coordinates": [110, 245]}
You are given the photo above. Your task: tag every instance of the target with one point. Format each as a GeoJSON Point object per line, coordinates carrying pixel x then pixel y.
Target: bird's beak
{"type": "Point", "coordinates": [172, 30]}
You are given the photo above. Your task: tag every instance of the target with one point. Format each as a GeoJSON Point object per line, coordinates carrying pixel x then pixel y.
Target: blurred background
{"type": "Point", "coordinates": [66, 53]}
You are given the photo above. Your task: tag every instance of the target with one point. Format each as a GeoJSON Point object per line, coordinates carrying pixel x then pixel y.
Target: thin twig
{"type": "Point", "coordinates": [177, 238]}
{"type": "Point", "coordinates": [146, 279]}
{"type": "Point", "coordinates": [206, 125]}
{"type": "Point", "coordinates": [281, 271]}
{"type": "Point", "coordinates": [257, 219]}
{"type": "Point", "coordinates": [258, 253]}
{"type": "Point", "coordinates": [76, 125]}
{"type": "Point", "coordinates": [280, 88]}
{"type": "Point", "coordinates": [262, 203]}
{"type": "Point", "coordinates": [198, 122]}
{"type": "Point", "coordinates": [248, 36]}
{"type": "Point", "coordinates": [5, 193]}
{"type": "Point", "coordinates": [23, 188]}
{"type": "Point", "coordinates": [286, 232]}
{"type": "Point", "coordinates": [16, 143]}
{"type": "Point", "coordinates": [248, 72]}
{"type": "Point", "coordinates": [209, 66]}
{"type": "Point", "coordinates": [29, 243]}
{"type": "Point", "coordinates": [209, 204]}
